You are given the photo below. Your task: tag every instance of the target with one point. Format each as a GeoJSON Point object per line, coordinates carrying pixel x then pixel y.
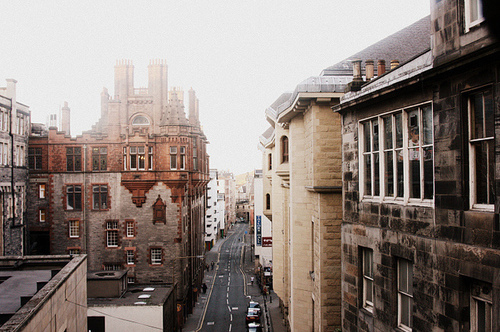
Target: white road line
{"type": "Point", "coordinates": [230, 327]}
{"type": "Point", "coordinates": [231, 317]}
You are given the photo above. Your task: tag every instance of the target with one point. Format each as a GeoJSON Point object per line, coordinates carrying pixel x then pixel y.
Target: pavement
{"type": "Point", "coordinates": [270, 303]}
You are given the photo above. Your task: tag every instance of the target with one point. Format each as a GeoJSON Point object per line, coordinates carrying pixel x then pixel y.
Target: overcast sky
{"type": "Point", "coordinates": [238, 56]}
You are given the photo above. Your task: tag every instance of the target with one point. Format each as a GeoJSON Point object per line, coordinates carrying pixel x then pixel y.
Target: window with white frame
{"type": "Point", "coordinates": [405, 294]}
{"type": "Point", "coordinates": [130, 257]}
{"type": "Point", "coordinates": [137, 157]}
{"type": "Point", "coordinates": [112, 233]}
{"type": "Point", "coordinates": [183, 158]}
{"type": "Point", "coordinates": [481, 306]}
{"type": "Point", "coordinates": [367, 268]}
{"type": "Point", "coordinates": [112, 267]}
{"type": "Point", "coordinates": [130, 228]}
{"type": "Point", "coordinates": [124, 158]}
{"type": "Point", "coordinates": [42, 215]}
{"type": "Point", "coordinates": [74, 228]}
{"type": "Point", "coordinates": [156, 256]}
{"type": "Point", "coordinates": [42, 190]}
{"type": "Point", "coordinates": [150, 158]}
{"type": "Point", "coordinates": [173, 157]}
{"type": "Point", "coordinates": [130, 280]}
{"type": "Point", "coordinates": [397, 156]}
{"type": "Point", "coordinates": [473, 12]}
{"type": "Point", "coordinates": [482, 149]}
{"type": "Point", "coordinates": [74, 251]}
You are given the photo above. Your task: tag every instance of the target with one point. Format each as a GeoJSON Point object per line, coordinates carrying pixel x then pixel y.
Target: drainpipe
{"type": "Point", "coordinates": [84, 191]}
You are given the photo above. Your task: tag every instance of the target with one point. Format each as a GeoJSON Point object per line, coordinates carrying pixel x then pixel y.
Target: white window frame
{"type": "Point", "coordinates": [130, 257]}
{"type": "Point", "coordinates": [74, 228]}
{"type": "Point", "coordinates": [112, 234]}
{"type": "Point", "coordinates": [469, 5]}
{"type": "Point", "coordinates": [42, 190]}
{"type": "Point", "coordinates": [156, 256]}
{"type": "Point", "coordinates": [130, 228]}
{"type": "Point", "coordinates": [73, 251]}
{"type": "Point", "coordinates": [367, 278]}
{"type": "Point", "coordinates": [150, 158]}
{"type": "Point", "coordinates": [472, 155]}
{"type": "Point", "coordinates": [404, 294]}
{"type": "Point", "coordinates": [183, 157]}
{"type": "Point", "coordinates": [42, 215]}
{"type": "Point", "coordinates": [474, 310]}
{"type": "Point", "coordinates": [173, 158]}
{"type": "Point", "coordinates": [382, 197]}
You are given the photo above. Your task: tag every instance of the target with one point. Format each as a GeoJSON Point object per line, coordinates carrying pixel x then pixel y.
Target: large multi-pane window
{"type": "Point", "coordinates": [156, 256]}
{"type": "Point", "coordinates": [367, 268]}
{"type": "Point", "coordinates": [74, 228]}
{"type": "Point", "coordinates": [73, 197]}
{"type": "Point", "coordinates": [112, 233]}
{"type": "Point", "coordinates": [130, 257]}
{"type": "Point", "coordinates": [397, 159]}
{"type": "Point", "coordinates": [74, 159]}
{"type": "Point", "coordinates": [405, 294]}
{"type": "Point", "coordinates": [130, 228]}
{"type": "Point", "coordinates": [173, 157]}
{"type": "Point", "coordinates": [99, 158]}
{"type": "Point", "coordinates": [482, 149]}
{"type": "Point", "coordinates": [34, 158]}
{"type": "Point", "coordinates": [99, 197]}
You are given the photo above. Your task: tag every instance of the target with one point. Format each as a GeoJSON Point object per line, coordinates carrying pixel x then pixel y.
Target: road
{"type": "Point", "coordinates": [227, 300]}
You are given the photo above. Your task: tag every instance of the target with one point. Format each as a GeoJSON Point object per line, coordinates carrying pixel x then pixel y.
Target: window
{"type": "Point", "coordinates": [99, 158]}
{"type": "Point", "coordinates": [173, 157]}
{"type": "Point", "coordinates": [482, 149]}
{"type": "Point", "coordinates": [124, 159]}
{"type": "Point", "coordinates": [405, 294]}
{"type": "Point", "coordinates": [34, 158]}
{"type": "Point", "coordinates": [367, 260]}
{"type": "Point", "coordinates": [130, 257]}
{"type": "Point", "coordinates": [42, 215]}
{"type": "Point", "coordinates": [268, 201]}
{"type": "Point", "coordinates": [112, 233]}
{"type": "Point", "coordinates": [73, 251]}
{"type": "Point", "coordinates": [284, 149]}
{"type": "Point", "coordinates": [156, 254]}
{"type": "Point", "coordinates": [74, 228]}
{"type": "Point", "coordinates": [99, 197]}
{"type": "Point", "coordinates": [137, 158]}
{"type": "Point", "coordinates": [183, 158]}
{"type": "Point", "coordinates": [397, 159]}
{"type": "Point", "coordinates": [473, 13]}
{"type": "Point", "coordinates": [140, 121]}
{"type": "Point", "coordinates": [270, 161]}
{"type": "Point", "coordinates": [5, 157]}
{"type": "Point", "coordinates": [481, 306]}
{"type": "Point", "coordinates": [73, 197]}
{"type": "Point", "coordinates": [150, 158]}
{"type": "Point", "coordinates": [74, 159]}
{"type": "Point", "coordinates": [130, 231]}
{"type": "Point", "coordinates": [112, 267]}
{"type": "Point", "coordinates": [42, 190]}
{"type": "Point", "coordinates": [195, 159]}
{"type": "Point", "coordinates": [130, 280]}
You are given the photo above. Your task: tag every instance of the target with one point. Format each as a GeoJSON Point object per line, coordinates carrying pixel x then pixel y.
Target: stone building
{"type": "Point", "coordinates": [15, 121]}
{"type": "Point", "coordinates": [421, 249]}
{"type": "Point", "coordinates": [228, 187]}
{"type": "Point", "coordinates": [302, 188]}
{"type": "Point", "coordinates": [130, 192]}
{"type": "Point", "coordinates": [214, 213]}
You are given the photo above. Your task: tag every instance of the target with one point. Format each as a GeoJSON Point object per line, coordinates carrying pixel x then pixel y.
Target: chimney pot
{"type": "Point", "coordinates": [381, 67]}
{"type": "Point", "coordinates": [369, 69]}
{"type": "Point", "coordinates": [356, 70]}
{"type": "Point", "coordinates": [394, 64]}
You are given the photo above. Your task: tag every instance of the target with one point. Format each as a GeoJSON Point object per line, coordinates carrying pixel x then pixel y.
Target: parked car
{"type": "Point", "coordinates": [254, 305]}
{"type": "Point", "coordinates": [253, 316]}
{"type": "Point", "coordinates": [254, 327]}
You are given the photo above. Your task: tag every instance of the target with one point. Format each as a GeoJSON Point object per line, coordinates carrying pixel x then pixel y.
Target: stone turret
{"type": "Point", "coordinates": [66, 119]}
{"type": "Point", "coordinates": [194, 118]}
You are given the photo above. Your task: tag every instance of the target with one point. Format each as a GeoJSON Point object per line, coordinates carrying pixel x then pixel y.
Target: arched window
{"type": "Point", "coordinates": [284, 149]}
{"type": "Point", "coordinates": [140, 120]}
{"type": "Point", "coordinates": [268, 202]}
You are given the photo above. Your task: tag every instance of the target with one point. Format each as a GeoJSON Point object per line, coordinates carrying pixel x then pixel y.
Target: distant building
{"type": "Point", "coordinates": [213, 220]}
{"type": "Point", "coordinates": [130, 192]}
{"type": "Point", "coordinates": [227, 181]}
{"type": "Point", "coordinates": [112, 306]}
{"type": "Point", "coordinates": [420, 231]}
{"type": "Point", "coordinates": [43, 293]}
{"type": "Point", "coordinates": [15, 121]}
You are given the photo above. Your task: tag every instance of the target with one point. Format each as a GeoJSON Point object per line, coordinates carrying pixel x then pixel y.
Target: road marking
{"type": "Point", "coordinates": [228, 289]}
{"type": "Point", "coordinates": [234, 308]}
{"type": "Point", "coordinates": [230, 327]}
{"type": "Point", "coordinates": [231, 317]}
{"type": "Point", "coordinates": [210, 323]}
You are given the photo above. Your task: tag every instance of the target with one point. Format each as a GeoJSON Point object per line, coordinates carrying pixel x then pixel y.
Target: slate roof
{"type": "Point", "coordinates": [403, 45]}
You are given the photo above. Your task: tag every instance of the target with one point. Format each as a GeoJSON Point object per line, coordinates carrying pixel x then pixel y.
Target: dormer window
{"type": "Point", "coordinates": [140, 120]}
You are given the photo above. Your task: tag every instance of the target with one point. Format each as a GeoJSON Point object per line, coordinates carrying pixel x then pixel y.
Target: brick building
{"type": "Point", "coordinates": [129, 193]}
{"type": "Point", "coordinates": [421, 249]}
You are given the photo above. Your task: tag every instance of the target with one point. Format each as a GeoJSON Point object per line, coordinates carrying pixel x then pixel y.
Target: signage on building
{"type": "Point", "coordinates": [267, 241]}
{"type": "Point", "coordinates": [258, 230]}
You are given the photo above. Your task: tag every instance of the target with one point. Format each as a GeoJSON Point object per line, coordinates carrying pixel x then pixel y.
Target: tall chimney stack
{"type": "Point", "coordinates": [65, 118]}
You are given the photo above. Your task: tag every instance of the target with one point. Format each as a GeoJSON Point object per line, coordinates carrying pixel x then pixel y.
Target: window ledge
{"type": "Point", "coordinates": [424, 203]}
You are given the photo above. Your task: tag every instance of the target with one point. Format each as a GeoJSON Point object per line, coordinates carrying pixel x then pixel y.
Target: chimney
{"type": "Point", "coordinates": [369, 69]}
{"type": "Point", "coordinates": [381, 67]}
{"type": "Point", "coordinates": [65, 118]}
{"type": "Point", "coordinates": [394, 64]}
{"type": "Point", "coordinates": [356, 70]}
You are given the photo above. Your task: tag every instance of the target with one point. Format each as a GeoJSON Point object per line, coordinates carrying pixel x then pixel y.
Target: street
{"type": "Point", "coordinates": [229, 286]}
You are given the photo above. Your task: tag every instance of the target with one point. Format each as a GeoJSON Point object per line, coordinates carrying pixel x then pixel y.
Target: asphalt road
{"type": "Point", "coordinates": [227, 302]}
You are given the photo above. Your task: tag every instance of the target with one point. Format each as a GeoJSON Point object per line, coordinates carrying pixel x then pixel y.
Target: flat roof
{"type": "Point", "coordinates": [158, 294]}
